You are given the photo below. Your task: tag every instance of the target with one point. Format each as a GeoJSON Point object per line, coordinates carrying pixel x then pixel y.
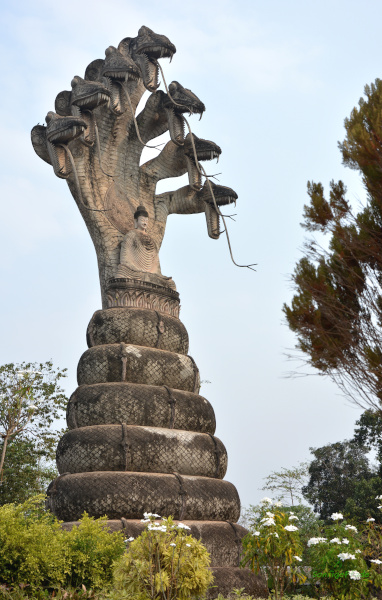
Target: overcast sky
{"type": "Point", "coordinates": [277, 78]}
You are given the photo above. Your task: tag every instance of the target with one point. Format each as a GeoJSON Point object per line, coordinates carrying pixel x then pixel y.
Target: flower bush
{"type": "Point", "coordinates": [338, 562]}
{"type": "Point", "coordinates": [273, 547]}
{"type": "Point", "coordinates": [164, 562]}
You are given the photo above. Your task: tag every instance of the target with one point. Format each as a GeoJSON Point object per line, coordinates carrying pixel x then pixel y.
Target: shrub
{"type": "Point", "coordinates": [91, 551]}
{"type": "Point", "coordinates": [35, 550]}
{"type": "Point", "coordinates": [163, 562]}
{"type": "Point", "coordinates": [273, 547]}
{"type": "Point", "coordinates": [31, 545]}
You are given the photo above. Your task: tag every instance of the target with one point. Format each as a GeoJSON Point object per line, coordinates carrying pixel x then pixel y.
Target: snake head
{"type": "Point", "coordinates": [118, 66]}
{"type": "Point", "coordinates": [182, 100]}
{"type": "Point", "coordinates": [223, 195]}
{"type": "Point", "coordinates": [88, 95]}
{"type": "Point", "coordinates": [61, 130]}
{"type": "Point", "coordinates": [145, 50]}
{"type": "Point", "coordinates": [205, 149]}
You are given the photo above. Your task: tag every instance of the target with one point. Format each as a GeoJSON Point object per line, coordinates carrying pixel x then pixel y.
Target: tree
{"type": "Point", "coordinates": [368, 433]}
{"type": "Point", "coordinates": [336, 312]}
{"type": "Point", "coordinates": [339, 472]}
{"type": "Point", "coordinates": [31, 400]}
{"type": "Point", "coordinates": [288, 483]}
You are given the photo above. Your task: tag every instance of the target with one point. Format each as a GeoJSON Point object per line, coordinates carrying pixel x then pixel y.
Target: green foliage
{"type": "Point", "coordinates": [338, 562]}
{"type": "Point", "coordinates": [336, 311]}
{"type": "Point", "coordinates": [35, 550]}
{"type": "Point", "coordinates": [91, 551]}
{"type": "Point", "coordinates": [368, 433]}
{"type": "Point", "coordinates": [26, 471]}
{"type": "Point", "coordinates": [287, 483]}
{"type": "Point", "coordinates": [31, 399]}
{"type": "Point", "coordinates": [31, 546]}
{"type": "Point", "coordinates": [163, 562]}
{"type": "Point", "coordinates": [336, 472]}
{"type": "Point", "coordinates": [273, 547]}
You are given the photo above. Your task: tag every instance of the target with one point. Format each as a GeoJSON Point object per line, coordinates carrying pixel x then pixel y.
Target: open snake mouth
{"type": "Point", "coordinates": [123, 74]}
{"type": "Point", "coordinates": [223, 195]}
{"type": "Point", "coordinates": [157, 51]}
{"type": "Point", "coordinates": [61, 130]}
{"type": "Point", "coordinates": [182, 100]}
{"type": "Point", "coordinates": [91, 101]}
{"type": "Point", "coordinates": [118, 66]}
{"type": "Point", "coordinates": [205, 149]}
{"type": "Point", "coordinates": [149, 71]}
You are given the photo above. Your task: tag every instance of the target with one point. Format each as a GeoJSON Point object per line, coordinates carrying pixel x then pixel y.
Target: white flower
{"type": "Point", "coordinates": [370, 520]}
{"type": "Point", "coordinates": [380, 506]}
{"type": "Point", "coordinates": [376, 561]}
{"type": "Point", "coordinates": [346, 556]}
{"type": "Point", "coordinates": [157, 527]}
{"type": "Point", "coordinates": [293, 518]}
{"type": "Point", "coordinates": [290, 528]}
{"type": "Point", "coordinates": [354, 575]}
{"type": "Point", "coordinates": [147, 515]}
{"type": "Point", "coordinates": [317, 540]}
{"type": "Point", "coordinates": [335, 541]}
{"type": "Point", "coordinates": [145, 520]}
{"type": "Point", "coordinates": [345, 541]}
{"type": "Point", "coordinates": [351, 527]}
{"type": "Point", "coordinates": [268, 522]}
{"type": "Point", "coordinates": [173, 545]}
{"type": "Point", "coordinates": [336, 516]}
{"type": "Point", "coordinates": [183, 526]}
{"type": "Point", "coordinates": [266, 501]}
{"type": "Point", "coordinates": [275, 534]}
{"type": "Point", "coordinates": [256, 533]}
{"type": "Point", "coordinates": [270, 515]}
{"type": "Point", "coordinates": [278, 504]}
{"type": "Point", "coordinates": [130, 539]}
{"type": "Point", "coordinates": [358, 551]}
{"type": "Point", "coordinates": [188, 545]}
{"type": "Point", "coordinates": [298, 558]}
{"type": "Point", "coordinates": [378, 497]}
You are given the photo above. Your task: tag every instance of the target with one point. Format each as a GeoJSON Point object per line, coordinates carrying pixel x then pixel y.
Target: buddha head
{"type": "Point", "coordinates": [141, 219]}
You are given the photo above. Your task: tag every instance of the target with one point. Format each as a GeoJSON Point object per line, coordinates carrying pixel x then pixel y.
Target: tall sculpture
{"type": "Point", "coordinates": [140, 437]}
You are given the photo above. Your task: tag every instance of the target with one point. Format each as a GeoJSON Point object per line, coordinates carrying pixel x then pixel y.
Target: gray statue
{"type": "Point", "coordinates": [95, 142]}
{"type": "Point", "coordinates": [140, 437]}
{"type": "Point", "coordinates": [139, 259]}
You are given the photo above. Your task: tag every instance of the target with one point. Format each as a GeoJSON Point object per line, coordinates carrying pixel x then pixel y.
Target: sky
{"type": "Point", "coordinates": [278, 79]}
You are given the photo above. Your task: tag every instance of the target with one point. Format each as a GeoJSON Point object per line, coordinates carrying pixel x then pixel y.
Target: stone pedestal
{"type": "Point", "coordinates": [141, 438]}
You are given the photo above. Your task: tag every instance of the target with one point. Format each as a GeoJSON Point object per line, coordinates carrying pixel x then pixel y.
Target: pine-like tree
{"type": "Point", "coordinates": [336, 311]}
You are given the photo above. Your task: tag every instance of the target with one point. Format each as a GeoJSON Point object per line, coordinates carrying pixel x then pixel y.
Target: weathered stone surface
{"type": "Point", "coordinates": [221, 538]}
{"type": "Point", "coordinates": [138, 404]}
{"type": "Point", "coordinates": [141, 327]}
{"type": "Point", "coordinates": [141, 449]}
{"type": "Point", "coordinates": [228, 579]}
{"type": "Point", "coordinates": [129, 495]}
{"type": "Point", "coordinates": [137, 364]}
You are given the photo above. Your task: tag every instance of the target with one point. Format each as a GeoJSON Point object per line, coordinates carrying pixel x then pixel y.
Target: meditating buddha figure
{"type": "Point", "coordinates": [139, 257]}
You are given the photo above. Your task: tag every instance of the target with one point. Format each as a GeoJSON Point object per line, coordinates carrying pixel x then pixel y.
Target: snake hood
{"type": "Point", "coordinates": [145, 50]}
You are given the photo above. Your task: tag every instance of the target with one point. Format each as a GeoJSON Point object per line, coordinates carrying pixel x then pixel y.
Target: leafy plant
{"type": "Point", "coordinates": [164, 562]}
{"type": "Point", "coordinates": [273, 547]}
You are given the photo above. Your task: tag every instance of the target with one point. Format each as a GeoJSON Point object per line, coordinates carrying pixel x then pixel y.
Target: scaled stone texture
{"type": "Point", "coordinates": [140, 437]}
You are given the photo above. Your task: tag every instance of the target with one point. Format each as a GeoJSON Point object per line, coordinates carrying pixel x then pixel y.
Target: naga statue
{"type": "Point", "coordinates": [140, 437]}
